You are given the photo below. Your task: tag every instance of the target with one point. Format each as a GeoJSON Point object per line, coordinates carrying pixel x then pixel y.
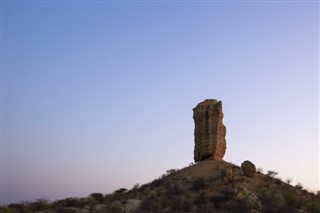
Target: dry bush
{"type": "Point", "coordinates": [198, 184]}
{"type": "Point", "coordinates": [98, 197]}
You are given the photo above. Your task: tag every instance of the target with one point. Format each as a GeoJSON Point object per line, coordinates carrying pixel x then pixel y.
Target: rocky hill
{"type": "Point", "coordinates": [210, 185]}
{"type": "Point", "coordinates": [207, 186]}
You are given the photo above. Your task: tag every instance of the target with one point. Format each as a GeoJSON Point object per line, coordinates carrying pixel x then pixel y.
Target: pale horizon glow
{"type": "Point", "coordinates": [99, 95]}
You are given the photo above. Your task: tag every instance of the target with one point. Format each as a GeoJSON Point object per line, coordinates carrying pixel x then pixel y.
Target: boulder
{"type": "Point", "coordinates": [248, 169]}
{"type": "Point", "coordinates": [248, 200]}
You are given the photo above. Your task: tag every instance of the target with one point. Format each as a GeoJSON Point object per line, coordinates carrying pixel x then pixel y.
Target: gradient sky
{"type": "Point", "coordinates": [99, 95]}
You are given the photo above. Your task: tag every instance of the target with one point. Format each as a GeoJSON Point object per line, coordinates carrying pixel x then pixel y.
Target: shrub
{"type": "Point", "coordinates": [120, 194]}
{"type": "Point", "coordinates": [227, 192]}
{"type": "Point", "coordinates": [40, 204]}
{"type": "Point", "coordinates": [260, 170]}
{"type": "Point", "coordinates": [272, 173]}
{"type": "Point", "coordinates": [186, 205]}
{"type": "Point", "coordinates": [97, 197]}
{"type": "Point", "coordinates": [314, 206]}
{"type": "Point", "coordinates": [278, 180]}
{"type": "Point", "coordinates": [273, 200]}
{"type": "Point", "coordinates": [202, 204]}
{"type": "Point", "coordinates": [175, 204]}
{"type": "Point", "coordinates": [198, 184]}
{"type": "Point", "coordinates": [288, 181]}
{"type": "Point", "coordinates": [17, 206]}
{"type": "Point", "coordinates": [200, 199]}
{"type": "Point", "coordinates": [6, 210]}
{"type": "Point", "coordinates": [68, 202]}
{"type": "Point", "coordinates": [156, 183]}
{"type": "Point", "coordinates": [171, 171]}
{"type": "Point", "coordinates": [218, 200]}
{"type": "Point", "coordinates": [135, 187]}
{"type": "Point", "coordinates": [120, 191]}
{"type": "Point", "coordinates": [173, 191]}
{"type": "Point", "coordinates": [299, 186]}
{"type": "Point", "coordinates": [64, 210]}
{"type": "Point", "coordinates": [149, 205]}
{"type": "Point", "coordinates": [291, 199]}
{"type": "Point", "coordinates": [115, 207]}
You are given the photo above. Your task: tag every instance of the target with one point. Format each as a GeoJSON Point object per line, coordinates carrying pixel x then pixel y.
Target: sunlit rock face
{"type": "Point", "coordinates": [209, 132]}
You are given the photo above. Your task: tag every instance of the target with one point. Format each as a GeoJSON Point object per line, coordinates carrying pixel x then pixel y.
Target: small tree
{"type": "Point", "coordinates": [18, 207]}
{"type": "Point", "coordinates": [121, 191]}
{"type": "Point", "coordinates": [119, 194]}
{"type": "Point", "coordinates": [40, 204]}
{"type": "Point", "coordinates": [272, 173]}
{"type": "Point", "coordinates": [288, 181]}
{"type": "Point", "coordinates": [278, 180]}
{"type": "Point", "coordinates": [171, 171]}
{"type": "Point", "coordinates": [97, 197]}
{"type": "Point", "coordinates": [259, 170]}
{"type": "Point", "coordinates": [135, 187]}
{"type": "Point", "coordinates": [67, 202]}
{"type": "Point", "coordinates": [299, 186]}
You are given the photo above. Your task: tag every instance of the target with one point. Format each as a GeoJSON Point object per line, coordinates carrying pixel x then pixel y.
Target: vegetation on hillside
{"type": "Point", "coordinates": [223, 188]}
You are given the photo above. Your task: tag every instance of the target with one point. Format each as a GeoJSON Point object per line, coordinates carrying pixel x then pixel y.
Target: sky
{"type": "Point", "coordinates": [98, 95]}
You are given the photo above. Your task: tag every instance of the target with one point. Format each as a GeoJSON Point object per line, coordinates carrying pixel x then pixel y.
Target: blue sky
{"type": "Point", "coordinates": [99, 95]}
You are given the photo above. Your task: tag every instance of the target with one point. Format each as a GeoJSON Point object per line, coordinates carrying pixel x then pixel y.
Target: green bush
{"type": "Point", "coordinates": [272, 200]}
{"type": "Point", "coordinates": [314, 206]}
{"type": "Point", "coordinates": [292, 200]}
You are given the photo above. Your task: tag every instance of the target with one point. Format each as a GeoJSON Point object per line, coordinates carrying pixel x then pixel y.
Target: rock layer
{"type": "Point", "coordinates": [209, 132]}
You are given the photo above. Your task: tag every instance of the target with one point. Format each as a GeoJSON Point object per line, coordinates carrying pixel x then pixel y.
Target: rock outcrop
{"type": "Point", "coordinates": [248, 200]}
{"type": "Point", "coordinates": [209, 132]}
{"type": "Point", "coordinates": [227, 175]}
{"type": "Point", "coordinates": [248, 169]}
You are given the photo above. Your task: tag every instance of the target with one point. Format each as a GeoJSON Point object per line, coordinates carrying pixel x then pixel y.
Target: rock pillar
{"type": "Point", "coordinates": [209, 132]}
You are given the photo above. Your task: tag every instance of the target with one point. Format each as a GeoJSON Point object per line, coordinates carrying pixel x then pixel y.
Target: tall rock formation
{"type": "Point", "coordinates": [209, 132]}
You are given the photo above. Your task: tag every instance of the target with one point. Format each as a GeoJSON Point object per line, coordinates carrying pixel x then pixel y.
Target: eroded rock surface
{"type": "Point", "coordinates": [209, 132]}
